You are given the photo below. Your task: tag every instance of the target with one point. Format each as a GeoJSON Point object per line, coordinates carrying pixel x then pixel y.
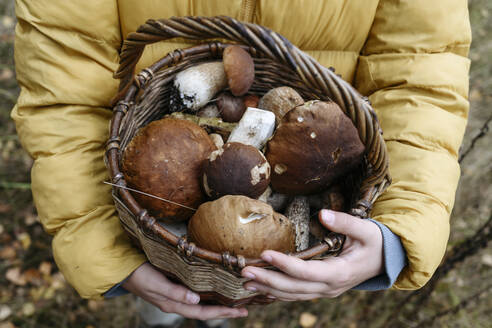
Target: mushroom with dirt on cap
{"type": "Point", "coordinates": [314, 144]}
{"type": "Point", "coordinates": [236, 169]}
{"type": "Point", "coordinates": [242, 226]}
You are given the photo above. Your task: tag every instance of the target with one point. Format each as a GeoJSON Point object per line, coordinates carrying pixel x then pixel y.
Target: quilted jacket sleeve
{"type": "Point", "coordinates": [64, 67]}
{"type": "Point", "coordinates": [415, 70]}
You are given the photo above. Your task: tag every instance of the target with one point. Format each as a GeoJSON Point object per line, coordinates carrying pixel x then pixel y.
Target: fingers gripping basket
{"type": "Point", "coordinates": [144, 97]}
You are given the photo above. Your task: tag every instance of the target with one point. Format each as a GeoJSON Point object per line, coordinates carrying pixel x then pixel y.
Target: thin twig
{"type": "Point", "coordinates": [149, 195]}
{"type": "Point", "coordinates": [483, 131]}
{"type": "Point", "coordinates": [15, 185]}
{"type": "Point", "coordinates": [9, 137]}
{"type": "Point", "coordinates": [10, 97]}
{"type": "Point", "coordinates": [468, 247]}
{"type": "Point", "coordinates": [463, 304]}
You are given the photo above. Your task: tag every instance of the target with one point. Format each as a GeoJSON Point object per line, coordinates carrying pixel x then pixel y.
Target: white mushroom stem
{"type": "Point", "coordinates": [198, 84]}
{"type": "Point", "coordinates": [266, 194]}
{"type": "Point", "coordinates": [217, 139]}
{"type": "Point", "coordinates": [298, 213]}
{"type": "Point", "coordinates": [255, 128]}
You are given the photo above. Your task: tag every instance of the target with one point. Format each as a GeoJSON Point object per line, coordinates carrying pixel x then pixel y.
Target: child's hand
{"type": "Point", "coordinates": [361, 259]}
{"type": "Point", "coordinates": [155, 288]}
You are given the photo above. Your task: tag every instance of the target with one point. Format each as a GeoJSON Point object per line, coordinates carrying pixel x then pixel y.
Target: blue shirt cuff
{"type": "Point", "coordinates": [116, 290]}
{"type": "Point", "coordinates": [395, 259]}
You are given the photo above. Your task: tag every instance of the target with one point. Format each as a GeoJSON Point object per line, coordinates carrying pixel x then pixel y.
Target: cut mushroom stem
{"type": "Point", "coordinates": [255, 128]}
{"type": "Point", "coordinates": [298, 213]}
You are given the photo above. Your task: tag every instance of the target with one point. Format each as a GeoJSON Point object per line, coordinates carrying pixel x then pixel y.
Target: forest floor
{"type": "Point", "coordinates": [34, 294]}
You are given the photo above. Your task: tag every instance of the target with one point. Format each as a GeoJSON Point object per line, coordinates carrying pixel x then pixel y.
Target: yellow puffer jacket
{"type": "Point", "coordinates": [409, 56]}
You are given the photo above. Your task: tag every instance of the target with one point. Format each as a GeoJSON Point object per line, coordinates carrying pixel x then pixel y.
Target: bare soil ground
{"type": "Point", "coordinates": [34, 294]}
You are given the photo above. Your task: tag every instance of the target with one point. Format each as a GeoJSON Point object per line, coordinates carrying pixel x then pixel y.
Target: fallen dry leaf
{"type": "Point", "coordinates": [15, 276]}
{"type": "Point", "coordinates": [94, 305]}
{"type": "Point", "coordinates": [37, 293]}
{"type": "Point", "coordinates": [45, 268]}
{"type": "Point", "coordinates": [307, 320]}
{"type": "Point", "coordinates": [7, 325]}
{"type": "Point", "coordinates": [33, 276]}
{"type": "Point", "coordinates": [475, 95]}
{"type": "Point", "coordinates": [487, 259]}
{"type": "Point", "coordinates": [57, 281]}
{"type": "Point", "coordinates": [25, 240]}
{"type": "Point", "coordinates": [28, 309]}
{"type": "Point", "coordinates": [4, 208]}
{"type": "Point", "coordinates": [7, 21]}
{"type": "Point", "coordinates": [49, 293]}
{"type": "Point", "coordinates": [30, 219]}
{"type": "Point", "coordinates": [7, 253]}
{"type": "Point", "coordinates": [5, 312]}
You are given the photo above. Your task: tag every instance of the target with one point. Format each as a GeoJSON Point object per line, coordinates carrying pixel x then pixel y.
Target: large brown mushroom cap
{"type": "Point", "coordinates": [242, 226]}
{"type": "Point", "coordinates": [236, 169]}
{"type": "Point", "coordinates": [314, 144]}
{"type": "Point", "coordinates": [165, 159]}
{"type": "Point", "coordinates": [239, 68]}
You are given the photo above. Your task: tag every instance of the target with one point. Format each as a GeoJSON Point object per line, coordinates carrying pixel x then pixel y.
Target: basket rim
{"type": "Point", "coordinates": [352, 101]}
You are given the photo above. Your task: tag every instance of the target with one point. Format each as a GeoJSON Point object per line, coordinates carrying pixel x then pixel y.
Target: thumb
{"type": "Point", "coordinates": [343, 223]}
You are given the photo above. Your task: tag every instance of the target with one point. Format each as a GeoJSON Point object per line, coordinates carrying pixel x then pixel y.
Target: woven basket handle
{"type": "Point", "coordinates": [274, 46]}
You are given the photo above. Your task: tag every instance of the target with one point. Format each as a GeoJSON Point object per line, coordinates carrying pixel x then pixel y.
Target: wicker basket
{"type": "Point", "coordinates": [144, 97]}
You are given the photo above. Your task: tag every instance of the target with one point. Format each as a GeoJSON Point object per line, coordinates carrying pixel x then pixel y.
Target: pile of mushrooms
{"type": "Point", "coordinates": [229, 163]}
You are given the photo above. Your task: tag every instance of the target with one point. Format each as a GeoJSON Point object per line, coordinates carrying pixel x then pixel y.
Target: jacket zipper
{"type": "Point", "coordinates": [247, 10]}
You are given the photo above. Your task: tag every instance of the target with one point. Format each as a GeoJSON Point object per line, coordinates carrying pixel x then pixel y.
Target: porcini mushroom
{"type": "Point", "coordinates": [236, 169]}
{"type": "Point", "coordinates": [239, 69]}
{"type": "Point", "coordinates": [241, 226]}
{"type": "Point", "coordinates": [231, 108]}
{"type": "Point", "coordinates": [314, 144]}
{"type": "Point", "coordinates": [165, 159]}
{"type": "Point", "coordinates": [280, 100]}
{"type": "Point", "coordinates": [195, 86]}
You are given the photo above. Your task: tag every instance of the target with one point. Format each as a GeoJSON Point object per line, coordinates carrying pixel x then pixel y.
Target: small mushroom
{"type": "Point", "coordinates": [231, 108]}
{"type": "Point", "coordinates": [280, 100]}
{"type": "Point", "coordinates": [314, 144]}
{"type": "Point", "coordinates": [241, 226]}
{"type": "Point", "coordinates": [236, 169]}
{"type": "Point", "coordinates": [239, 69]}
